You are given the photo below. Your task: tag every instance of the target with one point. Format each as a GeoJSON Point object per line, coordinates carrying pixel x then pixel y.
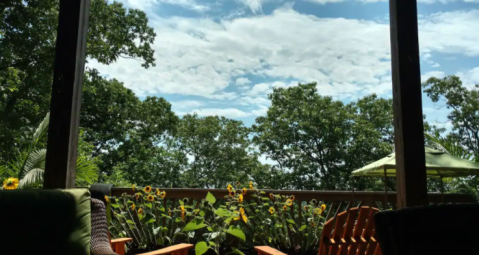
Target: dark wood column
{"type": "Point", "coordinates": [407, 98]}
{"type": "Point", "coordinates": [66, 94]}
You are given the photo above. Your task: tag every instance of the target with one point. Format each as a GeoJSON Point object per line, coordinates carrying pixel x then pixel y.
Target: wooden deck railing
{"type": "Point", "coordinates": [337, 201]}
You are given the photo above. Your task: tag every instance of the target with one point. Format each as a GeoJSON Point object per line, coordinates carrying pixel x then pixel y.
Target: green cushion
{"type": "Point", "coordinates": [45, 222]}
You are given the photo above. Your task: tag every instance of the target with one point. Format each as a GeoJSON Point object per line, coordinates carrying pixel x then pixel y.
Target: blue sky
{"type": "Point", "coordinates": [222, 57]}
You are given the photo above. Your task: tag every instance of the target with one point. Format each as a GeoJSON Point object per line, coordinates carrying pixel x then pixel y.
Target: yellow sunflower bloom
{"type": "Point", "coordinates": [271, 210]}
{"type": "Point", "coordinates": [317, 211]}
{"type": "Point", "coordinates": [245, 191]}
{"type": "Point", "coordinates": [289, 202]}
{"type": "Point", "coordinates": [169, 211]}
{"type": "Point", "coordinates": [147, 189]}
{"type": "Point", "coordinates": [250, 185]}
{"type": "Point", "coordinates": [137, 196]}
{"type": "Point", "coordinates": [163, 194]}
{"type": "Point", "coordinates": [323, 207]}
{"type": "Point", "coordinates": [243, 215]}
{"type": "Point", "coordinates": [232, 193]}
{"type": "Point", "coordinates": [10, 184]}
{"type": "Point", "coordinates": [158, 192]}
{"type": "Point", "coordinates": [183, 215]}
{"type": "Point", "coordinates": [151, 198]}
{"type": "Point", "coordinates": [132, 207]}
{"type": "Point", "coordinates": [293, 197]}
{"type": "Point", "coordinates": [133, 187]}
{"type": "Point", "coordinates": [271, 196]}
{"type": "Point", "coordinates": [106, 199]}
{"type": "Point", "coordinates": [238, 183]}
{"type": "Point", "coordinates": [230, 188]}
{"type": "Point", "coordinates": [140, 211]}
{"type": "Point", "coordinates": [285, 207]}
{"type": "Point", "coordinates": [240, 198]}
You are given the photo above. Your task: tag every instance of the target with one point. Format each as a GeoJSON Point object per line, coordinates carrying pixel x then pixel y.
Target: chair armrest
{"type": "Point", "coordinates": [179, 249]}
{"type": "Point", "coordinates": [121, 240]}
{"type": "Point", "coordinates": [266, 250]}
{"type": "Point", "coordinates": [118, 245]}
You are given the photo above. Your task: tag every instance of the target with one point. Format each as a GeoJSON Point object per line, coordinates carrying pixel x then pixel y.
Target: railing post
{"type": "Point", "coordinates": [408, 118]}
{"type": "Point", "coordinates": [66, 94]}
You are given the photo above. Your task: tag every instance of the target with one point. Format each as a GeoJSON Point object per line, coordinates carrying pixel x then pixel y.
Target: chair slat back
{"type": "Point", "coordinates": [351, 232]}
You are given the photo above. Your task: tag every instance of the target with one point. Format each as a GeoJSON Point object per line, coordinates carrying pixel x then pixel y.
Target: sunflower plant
{"type": "Point", "coordinates": [143, 217]}
{"type": "Point", "coordinates": [216, 226]}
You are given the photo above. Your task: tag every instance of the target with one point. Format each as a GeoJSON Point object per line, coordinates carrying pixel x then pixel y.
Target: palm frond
{"type": "Point", "coordinates": [35, 159]}
{"type": "Point", "coordinates": [86, 171]}
{"type": "Point", "coordinates": [41, 130]}
{"type": "Point", "coordinates": [31, 178]}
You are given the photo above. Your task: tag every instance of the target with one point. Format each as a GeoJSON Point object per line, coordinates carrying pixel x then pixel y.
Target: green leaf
{"type": "Point", "coordinates": [148, 205]}
{"type": "Point", "coordinates": [223, 212]}
{"type": "Point", "coordinates": [291, 221]}
{"type": "Point", "coordinates": [156, 230]}
{"type": "Point", "coordinates": [278, 225]}
{"type": "Point", "coordinates": [235, 231]}
{"type": "Point", "coordinates": [201, 248]}
{"type": "Point", "coordinates": [210, 198]}
{"type": "Point", "coordinates": [236, 251]}
{"type": "Point", "coordinates": [178, 219]}
{"type": "Point", "coordinates": [202, 213]}
{"type": "Point", "coordinates": [130, 222]}
{"type": "Point", "coordinates": [302, 228]}
{"type": "Point", "coordinates": [115, 205]}
{"type": "Point", "coordinates": [210, 229]}
{"type": "Point", "coordinates": [195, 224]}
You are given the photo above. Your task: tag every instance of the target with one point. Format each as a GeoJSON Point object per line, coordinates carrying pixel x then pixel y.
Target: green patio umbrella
{"type": "Point", "coordinates": [438, 164]}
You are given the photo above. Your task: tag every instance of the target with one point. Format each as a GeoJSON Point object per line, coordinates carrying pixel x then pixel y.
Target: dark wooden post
{"type": "Point", "coordinates": [408, 118]}
{"type": "Point", "coordinates": [66, 94]}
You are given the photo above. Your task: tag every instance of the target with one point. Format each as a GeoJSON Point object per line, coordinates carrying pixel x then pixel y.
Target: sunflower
{"type": "Point", "coordinates": [163, 194]}
{"type": "Point", "coordinates": [271, 196]}
{"type": "Point", "coordinates": [323, 207]}
{"type": "Point", "coordinates": [140, 211]}
{"type": "Point", "coordinates": [245, 191]}
{"type": "Point", "coordinates": [132, 207]}
{"type": "Point", "coordinates": [183, 212]}
{"type": "Point", "coordinates": [133, 187]}
{"type": "Point", "coordinates": [147, 189]}
{"type": "Point", "coordinates": [232, 193]}
{"type": "Point", "coordinates": [238, 183]}
{"type": "Point", "coordinates": [230, 188]}
{"type": "Point", "coordinates": [137, 196]}
{"type": "Point", "coordinates": [240, 198]}
{"type": "Point", "coordinates": [305, 207]}
{"type": "Point", "coordinates": [157, 192]}
{"type": "Point", "coordinates": [250, 185]}
{"type": "Point", "coordinates": [293, 197]}
{"type": "Point", "coordinates": [106, 199]}
{"type": "Point", "coordinates": [317, 211]}
{"type": "Point", "coordinates": [271, 210]}
{"type": "Point", "coordinates": [151, 198]}
{"type": "Point", "coordinates": [10, 184]}
{"type": "Point", "coordinates": [313, 201]}
{"type": "Point", "coordinates": [243, 215]}
{"type": "Point", "coordinates": [285, 207]}
{"type": "Point", "coordinates": [169, 211]}
{"type": "Point", "coordinates": [289, 202]}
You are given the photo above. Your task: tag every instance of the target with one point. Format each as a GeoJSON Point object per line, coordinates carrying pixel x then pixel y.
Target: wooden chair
{"type": "Point", "coordinates": [351, 232]}
{"type": "Point", "coordinates": [101, 243]}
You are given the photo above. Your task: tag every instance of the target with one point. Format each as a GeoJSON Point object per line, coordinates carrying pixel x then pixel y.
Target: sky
{"type": "Point", "coordinates": [223, 57]}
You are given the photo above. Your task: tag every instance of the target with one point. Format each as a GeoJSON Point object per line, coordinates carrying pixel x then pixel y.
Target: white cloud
{"type": "Point", "coordinates": [228, 112]}
{"type": "Point", "coordinates": [437, 74]}
{"type": "Point", "coordinates": [187, 104]}
{"type": "Point", "coordinates": [375, 1]}
{"type": "Point", "coordinates": [347, 57]}
{"type": "Point", "coordinates": [469, 78]}
{"type": "Point", "coordinates": [187, 4]}
{"type": "Point", "coordinates": [242, 81]}
{"type": "Point", "coordinates": [254, 5]}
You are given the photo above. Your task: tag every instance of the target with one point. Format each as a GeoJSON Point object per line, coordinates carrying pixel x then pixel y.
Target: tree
{"type": "Point", "coordinates": [320, 140]}
{"type": "Point", "coordinates": [28, 31]}
{"type": "Point", "coordinates": [217, 149]}
{"type": "Point", "coordinates": [124, 130]}
{"type": "Point", "coordinates": [464, 106]}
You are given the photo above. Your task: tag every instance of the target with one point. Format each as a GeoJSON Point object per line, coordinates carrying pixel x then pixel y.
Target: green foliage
{"type": "Point", "coordinates": [320, 140]}
{"type": "Point", "coordinates": [28, 32]}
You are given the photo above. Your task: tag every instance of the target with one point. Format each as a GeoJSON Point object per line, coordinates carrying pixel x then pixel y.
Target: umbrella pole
{"type": "Point", "coordinates": [385, 189]}
{"type": "Point", "coordinates": [442, 189]}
